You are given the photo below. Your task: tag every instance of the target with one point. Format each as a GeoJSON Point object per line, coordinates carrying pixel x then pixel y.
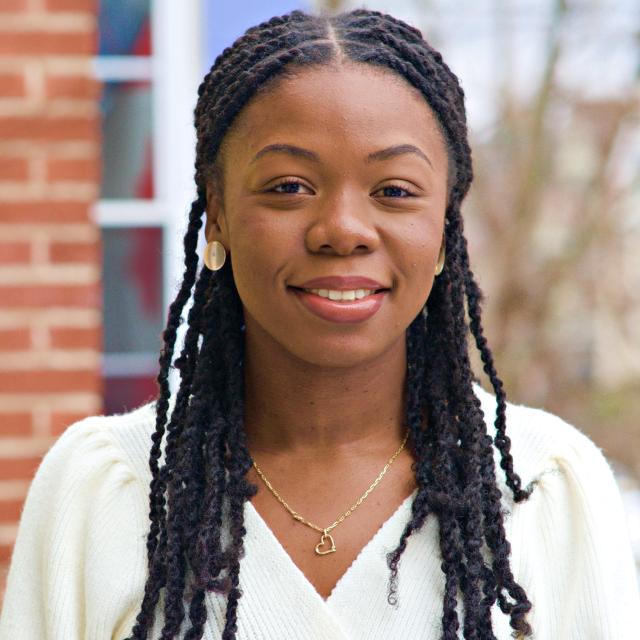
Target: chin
{"type": "Point", "coordinates": [352, 345]}
{"type": "Point", "coordinates": [345, 352]}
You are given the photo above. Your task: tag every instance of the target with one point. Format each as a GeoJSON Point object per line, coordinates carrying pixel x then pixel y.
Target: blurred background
{"type": "Point", "coordinates": [96, 179]}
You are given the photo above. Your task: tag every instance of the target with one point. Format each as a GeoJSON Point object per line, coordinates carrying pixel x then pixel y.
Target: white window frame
{"type": "Point", "coordinates": [174, 70]}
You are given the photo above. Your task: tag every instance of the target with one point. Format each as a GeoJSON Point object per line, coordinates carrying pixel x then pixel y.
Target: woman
{"type": "Point", "coordinates": [328, 470]}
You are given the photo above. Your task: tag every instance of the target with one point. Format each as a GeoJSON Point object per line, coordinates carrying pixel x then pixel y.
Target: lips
{"type": "Point", "coordinates": [341, 283]}
{"type": "Point", "coordinates": [341, 311]}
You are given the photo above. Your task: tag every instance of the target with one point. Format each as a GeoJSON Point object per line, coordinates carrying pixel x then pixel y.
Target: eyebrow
{"type": "Point", "coordinates": [382, 154]}
{"type": "Point", "coordinates": [291, 149]}
{"type": "Point", "coordinates": [397, 150]}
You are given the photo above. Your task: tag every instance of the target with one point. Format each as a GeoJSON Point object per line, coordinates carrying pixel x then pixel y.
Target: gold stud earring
{"type": "Point", "coordinates": [440, 263]}
{"type": "Point", "coordinates": [215, 255]}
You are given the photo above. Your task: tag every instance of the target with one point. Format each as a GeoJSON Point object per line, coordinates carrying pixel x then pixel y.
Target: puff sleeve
{"type": "Point", "coordinates": [79, 561]}
{"type": "Point", "coordinates": [571, 544]}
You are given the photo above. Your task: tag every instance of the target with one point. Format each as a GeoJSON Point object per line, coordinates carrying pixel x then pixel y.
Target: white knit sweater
{"type": "Point", "coordinates": [79, 564]}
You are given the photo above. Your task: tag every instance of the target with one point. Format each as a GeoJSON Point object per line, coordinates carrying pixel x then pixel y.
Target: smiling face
{"type": "Point", "coordinates": [334, 171]}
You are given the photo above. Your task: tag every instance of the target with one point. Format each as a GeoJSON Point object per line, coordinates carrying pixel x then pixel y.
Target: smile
{"type": "Point", "coordinates": [334, 294]}
{"type": "Point", "coordinates": [341, 306]}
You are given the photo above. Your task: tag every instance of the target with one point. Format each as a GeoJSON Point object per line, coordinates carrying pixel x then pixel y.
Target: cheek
{"type": "Point", "coordinates": [419, 247]}
{"type": "Point", "coordinates": [416, 253]}
{"type": "Point", "coordinates": [250, 256]}
{"type": "Point", "coordinates": [258, 248]}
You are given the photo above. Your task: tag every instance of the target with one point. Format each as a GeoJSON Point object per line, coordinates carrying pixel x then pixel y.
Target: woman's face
{"type": "Point", "coordinates": [336, 172]}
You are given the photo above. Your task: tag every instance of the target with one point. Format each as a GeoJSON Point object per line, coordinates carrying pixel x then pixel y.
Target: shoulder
{"type": "Point", "coordinates": [82, 532]}
{"type": "Point", "coordinates": [543, 444]}
{"type": "Point", "coordinates": [570, 546]}
{"type": "Point", "coordinates": [109, 445]}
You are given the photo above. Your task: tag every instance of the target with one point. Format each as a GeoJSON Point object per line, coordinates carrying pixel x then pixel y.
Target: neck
{"type": "Point", "coordinates": [294, 407]}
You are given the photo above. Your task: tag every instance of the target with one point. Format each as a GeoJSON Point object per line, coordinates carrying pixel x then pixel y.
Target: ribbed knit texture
{"type": "Point", "coordinates": [79, 564]}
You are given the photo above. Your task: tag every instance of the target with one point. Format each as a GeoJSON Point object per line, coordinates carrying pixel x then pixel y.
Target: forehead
{"type": "Point", "coordinates": [348, 105]}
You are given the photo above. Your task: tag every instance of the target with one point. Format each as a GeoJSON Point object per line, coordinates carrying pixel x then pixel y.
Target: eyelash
{"type": "Point", "coordinates": [393, 186]}
{"type": "Point", "coordinates": [292, 181]}
{"type": "Point", "coordinates": [285, 182]}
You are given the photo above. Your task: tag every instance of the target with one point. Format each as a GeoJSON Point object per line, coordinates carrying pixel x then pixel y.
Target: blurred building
{"type": "Point", "coordinates": [50, 273]}
{"type": "Point", "coordinates": [96, 178]}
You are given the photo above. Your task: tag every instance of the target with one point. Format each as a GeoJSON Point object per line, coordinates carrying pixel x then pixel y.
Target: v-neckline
{"type": "Point", "coordinates": [376, 540]}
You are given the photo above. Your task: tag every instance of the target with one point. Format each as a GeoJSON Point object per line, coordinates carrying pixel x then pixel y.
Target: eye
{"type": "Point", "coordinates": [394, 191]}
{"type": "Point", "coordinates": [289, 186]}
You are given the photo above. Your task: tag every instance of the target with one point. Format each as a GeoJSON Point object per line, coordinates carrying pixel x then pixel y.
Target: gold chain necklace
{"type": "Point", "coordinates": [326, 544]}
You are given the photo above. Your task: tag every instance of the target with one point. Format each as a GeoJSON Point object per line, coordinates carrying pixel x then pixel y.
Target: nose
{"type": "Point", "coordinates": [343, 224]}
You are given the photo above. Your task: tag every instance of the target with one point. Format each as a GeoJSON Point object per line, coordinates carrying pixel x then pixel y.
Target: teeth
{"type": "Point", "coordinates": [354, 294]}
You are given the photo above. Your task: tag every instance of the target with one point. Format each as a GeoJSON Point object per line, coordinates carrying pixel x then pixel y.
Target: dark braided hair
{"type": "Point", "coordinates": [191, 547]}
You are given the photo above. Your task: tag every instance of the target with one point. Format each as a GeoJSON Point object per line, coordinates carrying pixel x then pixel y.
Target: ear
{"type": "Point", "coordinates": [216, 224]}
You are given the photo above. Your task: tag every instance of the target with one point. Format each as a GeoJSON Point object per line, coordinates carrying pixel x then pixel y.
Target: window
{"type": "Point", "coordinates": [149, 62]}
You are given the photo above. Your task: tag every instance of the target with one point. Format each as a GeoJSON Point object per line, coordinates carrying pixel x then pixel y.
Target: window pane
{"type": "Point", "coordinates": [132, 293]}
{"type": "Point", "coordinates": [124, 27]}
{"type": "Point", "coordinates": [127, 147]}
{"type": "Point", "coordinates": [126, 393]}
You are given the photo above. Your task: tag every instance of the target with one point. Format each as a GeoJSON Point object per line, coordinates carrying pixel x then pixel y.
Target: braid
{"type": "Point", "coordinates": [157, 487]}
{"type": "Point", "coordinates": [169, 338]}
{"type": "Point", "coordinates": [474, 296]}
{"type": "Point", "coordinates": [197, 497]}
{"type": "Point", "coordinates": [471, 428]}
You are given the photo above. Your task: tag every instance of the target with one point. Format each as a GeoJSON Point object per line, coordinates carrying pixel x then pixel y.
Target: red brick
{"type": "Point", "coordinates": [61, 421]}
{"type": "Point", "coordinates": [14, 168]}
{"type": "Point", "coordinates": [35, 211]}
{"type": "Point", "coordinates": [86, 6]}
{"type": "Point", "coordinates": [84, 169]}
{"type": "Point", "coordinates": [48, 381]}
{"type": "Point", "coordinates": [15, 252]}
{"type": "Point", "coordinates": [10, 510]}
{"type": "Point", "coordinates": [76, 338]}
{"type": "Point", "coordinates": [18, 468]}
{"type": "Point", "coordinates": [86, 252]}
{"type": "Point", "coordinates": [12, 84]}
{"type": "Point", "coordinates": [46, 127]}
{"type": "Point", "coordinates": [38, 296]}
{"type": "Point", "coordinates": [14, 5]}
{"type": "Point", "coordinates": [39, 43]}
{"type": "Point", "coordinates": [84, 87]}
{"type": "Point", "coordinates": [15, 424]}
{"type": "Point", "coordinates": [5, 554]}
{"type": "Point", "coordinates": [15, 339]}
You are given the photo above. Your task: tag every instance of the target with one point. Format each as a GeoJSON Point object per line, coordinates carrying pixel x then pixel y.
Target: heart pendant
{"type": "Point", "coordinates": [325, 541]}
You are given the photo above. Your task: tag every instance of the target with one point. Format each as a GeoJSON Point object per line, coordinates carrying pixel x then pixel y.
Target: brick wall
{"type": "Point", "coordinates": [50, 296]}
